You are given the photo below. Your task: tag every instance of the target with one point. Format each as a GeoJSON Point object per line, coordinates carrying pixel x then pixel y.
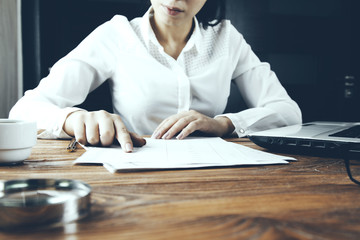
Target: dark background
{"type": "Point", "coordinates": [312, 45]}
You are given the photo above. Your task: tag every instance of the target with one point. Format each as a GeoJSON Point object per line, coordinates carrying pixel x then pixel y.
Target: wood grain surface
{"type": "Point", "coordinates": [308, 199]}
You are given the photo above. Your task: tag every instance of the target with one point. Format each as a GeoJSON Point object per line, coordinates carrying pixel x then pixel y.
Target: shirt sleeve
{"type": "Point", "coordinates": [269, 105]}
{"type": "Point", "coordinates": [68, 83]}
{"type": "Point", "coordinates": [52, 101]}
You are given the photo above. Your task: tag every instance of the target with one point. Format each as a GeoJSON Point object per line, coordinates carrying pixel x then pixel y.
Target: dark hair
{"type": "Point", "coordinates": [212, 13]}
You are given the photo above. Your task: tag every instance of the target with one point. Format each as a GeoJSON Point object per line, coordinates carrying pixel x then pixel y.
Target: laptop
{"type": "Point", "coordinates": [309, 138]}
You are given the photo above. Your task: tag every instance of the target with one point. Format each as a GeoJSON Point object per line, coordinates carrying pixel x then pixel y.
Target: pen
{"type": "Point", "coordinates": [72, 145]}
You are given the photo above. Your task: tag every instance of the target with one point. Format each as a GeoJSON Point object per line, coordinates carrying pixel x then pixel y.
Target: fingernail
{"type": "Point", "coordinates": [155, 135]}
{"type": "Point", "coordinates": [128, 147]}
{"type": "Point", "coordinates": [166, 135]}
{"type": "Point", "coordinates": [180, 136]}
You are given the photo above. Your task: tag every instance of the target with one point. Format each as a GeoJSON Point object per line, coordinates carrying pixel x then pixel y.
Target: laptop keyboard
{"type": "Point", "coordinates": [353, 132]}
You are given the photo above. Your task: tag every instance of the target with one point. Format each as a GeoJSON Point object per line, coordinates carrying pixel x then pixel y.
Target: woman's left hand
{"type": "Point", "coordinates": [188, 122]}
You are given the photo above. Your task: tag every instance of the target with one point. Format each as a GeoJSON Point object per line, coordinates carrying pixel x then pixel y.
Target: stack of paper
{"type": "Point", "coordinates": [178, 154]}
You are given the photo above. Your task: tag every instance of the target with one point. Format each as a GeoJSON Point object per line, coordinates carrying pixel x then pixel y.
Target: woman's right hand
{"type": "Point", "coordinates": [101, 128]}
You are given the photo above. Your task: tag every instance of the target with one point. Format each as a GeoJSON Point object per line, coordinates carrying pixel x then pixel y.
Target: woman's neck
{"type": "Point", "coordinates": [171, 37]}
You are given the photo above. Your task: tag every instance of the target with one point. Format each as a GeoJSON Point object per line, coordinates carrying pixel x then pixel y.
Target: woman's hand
{"type": "Point", "coordinates": [188, 122]}
{"type": "Point", "coordinates": [101, 128]}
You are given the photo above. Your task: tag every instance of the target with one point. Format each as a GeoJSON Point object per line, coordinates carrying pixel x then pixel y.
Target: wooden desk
{"type": "Point", "coordinates": [309, 199]}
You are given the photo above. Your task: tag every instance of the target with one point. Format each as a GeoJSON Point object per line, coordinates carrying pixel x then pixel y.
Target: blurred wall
{"type": "Point", "coordinates": [10, 55]}
{"type": "Point", "coordinates": [313, 47]}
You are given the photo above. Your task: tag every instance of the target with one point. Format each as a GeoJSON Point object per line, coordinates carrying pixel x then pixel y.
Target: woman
{"type": "Point", "coordinates": [170, 75]}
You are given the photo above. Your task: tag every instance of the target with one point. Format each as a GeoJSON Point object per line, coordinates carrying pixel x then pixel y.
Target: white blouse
{"type": "Point", "coordinates": [147, 85]}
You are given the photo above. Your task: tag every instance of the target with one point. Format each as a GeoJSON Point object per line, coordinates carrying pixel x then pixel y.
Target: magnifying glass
{"type": "Point", "coordinates": [31, 202]}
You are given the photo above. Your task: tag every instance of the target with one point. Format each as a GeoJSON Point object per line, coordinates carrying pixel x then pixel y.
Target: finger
{"type": "Point", "coordinates": [161, 129]}
{"type": "Point", "coordinates": [189, 129]}
{"type": "Point", "coordinates": [137, 140]}
{"type": "Point", "coordinates": [92, 131]}
{"type": "Point", "coordinates": [106, 131]}
{"type": "Point", "coordinates": [71, 120]}
{"type": "Point", "coordinates": [79, 132]}
{"type": "Point", "coordinates": [122, 135]}
{"type": "Point", "coordinates": [164, 127]}
{"type": "Point", "coordinates": [178, 126]}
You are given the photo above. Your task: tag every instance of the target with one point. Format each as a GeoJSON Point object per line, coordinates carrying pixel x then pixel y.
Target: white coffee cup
{"type": "Point", "coordinates": [17, 138]}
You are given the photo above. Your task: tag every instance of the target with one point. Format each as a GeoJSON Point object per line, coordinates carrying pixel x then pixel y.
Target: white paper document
{"type": "Point", "coordinates": [179, 154]}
